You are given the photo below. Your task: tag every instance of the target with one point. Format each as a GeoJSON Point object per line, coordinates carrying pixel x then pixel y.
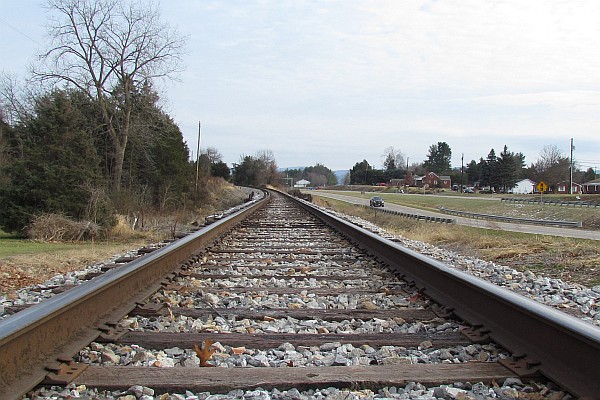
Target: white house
{"type": "Point", "coordinates": [525, 186]}
{"type": "Point", "coordinates": [302, 183]}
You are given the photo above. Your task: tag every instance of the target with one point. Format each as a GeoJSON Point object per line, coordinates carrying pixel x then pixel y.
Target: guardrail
{"type": "Point", "coordinates": [413, 216]}
{"type": "Point", "coordinates": [553, 202]}
{"type": "Point", "coordinates": [566, 224]}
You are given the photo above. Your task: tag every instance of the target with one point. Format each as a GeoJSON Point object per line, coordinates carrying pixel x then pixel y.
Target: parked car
{"type": "Point", "coordinates": [376, 201]}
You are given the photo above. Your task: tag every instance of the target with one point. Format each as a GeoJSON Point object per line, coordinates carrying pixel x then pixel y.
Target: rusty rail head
{"type": "Point", "coordinates": [564, 348]}
{"type": "Point", "coordinates": [59, 327]}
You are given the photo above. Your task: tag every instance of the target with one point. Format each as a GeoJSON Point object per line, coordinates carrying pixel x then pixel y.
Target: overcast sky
{"type": "Point", "coordinates": [336, 82]}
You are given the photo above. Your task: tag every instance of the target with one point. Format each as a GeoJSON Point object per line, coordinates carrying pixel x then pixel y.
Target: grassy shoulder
{"type": "Point", "coordinates": [25, 262]}
{"type": "Point", "coordinates": [488, 204]}
{"type": "Point", "coordinates": [572, 260]}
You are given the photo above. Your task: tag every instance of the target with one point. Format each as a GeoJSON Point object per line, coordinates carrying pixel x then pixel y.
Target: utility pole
{"type": "Point", "coordinates": [198, 157]}
{"type": "Point", "coordinates": [462, 168]}
{"type": "Point", "coordinates": [571, 169]}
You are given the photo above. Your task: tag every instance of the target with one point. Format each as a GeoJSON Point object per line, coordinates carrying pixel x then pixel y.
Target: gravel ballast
{"type": "Point", "coordinates": [552, 292]}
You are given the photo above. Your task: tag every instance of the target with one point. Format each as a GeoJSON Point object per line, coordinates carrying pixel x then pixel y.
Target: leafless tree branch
{"type": "Point", "coordinates": [108, 50]}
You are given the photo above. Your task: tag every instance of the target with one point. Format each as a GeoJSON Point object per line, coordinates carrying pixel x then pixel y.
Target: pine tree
{"type": "Point", "coordinates": [509, 165]}
{"type": "Point", "coordinates": [58, 166]}
{"type": "Point", "coordinates": [438, 159]}
{"type": "Point", "coordinates": [489, 170]}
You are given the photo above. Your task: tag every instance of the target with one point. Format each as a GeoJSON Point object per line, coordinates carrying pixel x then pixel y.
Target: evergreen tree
{"type": "Point", "coordinates": [390, 162]}
{"type": "Point", "coordinates": [256, 171]}
{"type": "Point", "coordinates": [474, 171]}
{"type": "Point", "coordinates": [58, 166]}
{"type": "Point", "coordinates": [489, 170]}
{"type": "Point", "coordinates": [156, 170]}
{"type": "Point", "coordinates": [319, 175]}
{"type": "Point", "coordinates": [5, 156]}
{"type": "Point", "coordinates": [438, 158]}
{"type": "Point", "coordinates": [246, 172]}
{"type": "Point", "coordinates": [589, 175]}
{"type": "Point", "coordinates": [169, 154]}
{"type": "Point", "coordinates": [220, 169]}
{"type": "Point", "coordinates": [508, 166]}
{"type": "Point", "coordinates": [359, 174]}
{"type": "Point", "coordinates": [520, 165]}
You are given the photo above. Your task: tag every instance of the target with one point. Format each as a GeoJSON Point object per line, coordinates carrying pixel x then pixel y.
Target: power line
{"type": "Point", "coordinates": [20, 32]}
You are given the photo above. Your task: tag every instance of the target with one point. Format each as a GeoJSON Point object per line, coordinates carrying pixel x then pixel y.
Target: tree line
{"type": "Point", "coordinates": [317, 175]}
{"type": "Point", "coordinates": [85, 136]}
{"type": "Point", "coordinates": [500, 172]}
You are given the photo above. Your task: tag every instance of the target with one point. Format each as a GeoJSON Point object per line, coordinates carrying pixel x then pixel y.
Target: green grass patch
{"type": "Point", "coordinates": [10, 246]}
{"type": "Point", "coordinates": [13, 245]}
{"type": "Point", "coordinates": [4, 235]}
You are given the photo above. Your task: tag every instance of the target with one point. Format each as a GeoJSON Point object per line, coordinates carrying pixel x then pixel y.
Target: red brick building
{"type": "Point", "coordinates": [433, 180]}
{"type": "Point", "coordinates": [563, 188]}
{"type": "Point", "coordinates": [591, 187]}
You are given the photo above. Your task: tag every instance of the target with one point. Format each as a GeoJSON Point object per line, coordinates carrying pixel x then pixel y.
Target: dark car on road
{"type": "Point", "coordinates": [376, 201]}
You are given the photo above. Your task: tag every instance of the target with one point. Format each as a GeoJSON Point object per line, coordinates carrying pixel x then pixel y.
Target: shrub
{"type": "Point", "coordinates": [60, 228]}
{"type": "Point", "coordinates": [299, 194]}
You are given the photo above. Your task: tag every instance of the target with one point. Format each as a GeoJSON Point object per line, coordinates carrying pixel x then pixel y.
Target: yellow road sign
{"type": "Point", "coordinates": [542, 187]}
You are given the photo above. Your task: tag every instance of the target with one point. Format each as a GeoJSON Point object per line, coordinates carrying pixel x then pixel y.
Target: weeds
{"type": "Point", "coordinates": [574, 260]}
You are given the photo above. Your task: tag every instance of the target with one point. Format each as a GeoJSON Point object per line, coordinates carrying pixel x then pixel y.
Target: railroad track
{"type": "Point", "coordinates": [306, 299]}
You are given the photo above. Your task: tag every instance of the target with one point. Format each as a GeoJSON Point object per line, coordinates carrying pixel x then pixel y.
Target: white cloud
{"type": "Point", "coordinates": [488, 44]}
{"type": "Point", "coordinates": [338, 81]}
{"type": "Point", "coordinates": [580, 99]}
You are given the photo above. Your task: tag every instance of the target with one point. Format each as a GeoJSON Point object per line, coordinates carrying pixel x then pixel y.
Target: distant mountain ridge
{"type": "Point", "coordinates": [340, 175]}
{"type": "Point", "coordinates": [283, 169]}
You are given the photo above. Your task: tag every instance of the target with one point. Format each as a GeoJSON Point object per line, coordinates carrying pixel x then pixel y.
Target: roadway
{"type": "Point", "coordinates": [475, 223]}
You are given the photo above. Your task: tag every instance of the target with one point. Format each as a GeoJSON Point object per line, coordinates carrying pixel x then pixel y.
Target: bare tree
{"type": "Point", "coordinates": [109, 50]}
{"type": "Point", "coordinates": [317, 179]}
{"type": "Point", "coordinates": [16, 99]}
{"type": "Point", "coordinates": [16, 107]}
{"type": "Point", "coordinates": [213, 154]}
{"type": "Point", "coordinates": [347, 179]}
{"type": "Point", "coordinates": [392, 159]}
{"type": "Point", "coordinates": [552, 166]}
{"type": "Point", "coordinates": [549, 156]}
{"type": "Point", "coordinates": [268, 167]}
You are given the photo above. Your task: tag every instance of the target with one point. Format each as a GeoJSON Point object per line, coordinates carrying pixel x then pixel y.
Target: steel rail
{"type": "Point", "coordinates": [563, 348]}
{"type": "Point", "coordinates": [34, 339]}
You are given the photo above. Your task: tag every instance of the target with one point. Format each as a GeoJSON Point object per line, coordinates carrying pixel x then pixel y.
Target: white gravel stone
{"type": "Point", "coordinates": [553, 292]}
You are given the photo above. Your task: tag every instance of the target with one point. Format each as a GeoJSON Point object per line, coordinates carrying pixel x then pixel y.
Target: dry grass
{"type": "Point", "coordinates": [25, 262]}
{"type": "Point", "coordinates": [590, 217]}
{"type": "Point", "coordinates": [17, 271]}
{"type": "Point", "coordinates": [573, 260]}
{"type": "Point", "coordinates": [60, 228]}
